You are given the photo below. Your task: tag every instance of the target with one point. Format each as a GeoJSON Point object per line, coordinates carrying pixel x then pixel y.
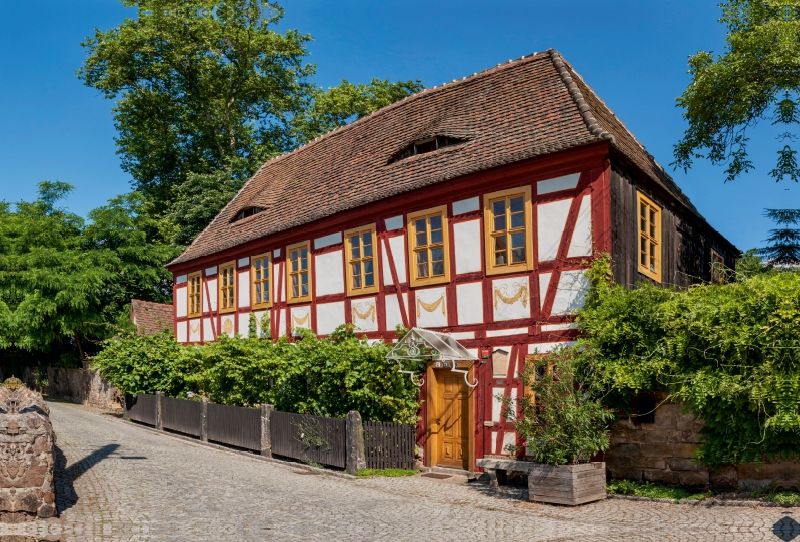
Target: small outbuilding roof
{"type": "Point", "coordinates": [151, 318]}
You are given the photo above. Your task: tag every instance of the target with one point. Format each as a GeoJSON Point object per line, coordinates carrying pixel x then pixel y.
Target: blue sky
{"type": "Point", "coordinates": [633, 54]}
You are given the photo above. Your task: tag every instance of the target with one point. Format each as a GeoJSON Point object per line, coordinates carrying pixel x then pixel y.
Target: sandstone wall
{"type": "Point", "coordinates": [27, 446]}
{"type": "Point", "coordinates": [83, 386]}
{"type": "Point", "coordinates": [661, 452]}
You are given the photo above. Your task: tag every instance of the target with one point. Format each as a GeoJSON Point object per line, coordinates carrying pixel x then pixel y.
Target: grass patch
{"type": "Point", "coordinates": [647, 489]}
{"type": "Point", "coordinates": [391, 473]}
{"type": "Point", "coordinates": [778, 496]}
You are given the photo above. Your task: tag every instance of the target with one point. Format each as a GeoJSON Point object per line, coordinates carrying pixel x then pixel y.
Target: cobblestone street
{"type": "Point", "coordinates": [120, 482]}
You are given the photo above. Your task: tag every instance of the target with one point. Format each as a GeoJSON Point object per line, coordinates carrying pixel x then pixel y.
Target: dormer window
{"type": "Point", "coordinates": [247, 211]}
{"type": "Point", "coordinates": [425, 145]}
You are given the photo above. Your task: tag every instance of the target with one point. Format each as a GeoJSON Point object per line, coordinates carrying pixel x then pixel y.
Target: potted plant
{"type": "Point", "coordinates": [562, 425]}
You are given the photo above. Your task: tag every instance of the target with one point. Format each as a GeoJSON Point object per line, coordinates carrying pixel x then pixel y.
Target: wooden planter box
{"type": "Point", "coordinates": [567, 484]}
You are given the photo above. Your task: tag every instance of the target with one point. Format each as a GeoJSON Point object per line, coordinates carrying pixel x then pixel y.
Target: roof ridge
{"type": "Point", "coordinates": [585, 109]}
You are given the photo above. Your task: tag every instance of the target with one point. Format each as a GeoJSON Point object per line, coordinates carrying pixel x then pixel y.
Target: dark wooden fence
{"type": "Point", "coordinates": [236, 426]}
{"type": "Point", "coordinates": [309, 438]}
{"type": "Point", "coordinates": [312, 439]}
{"type": "Point", "coordinates": [142, 408]}
{"type": "Point", "coordinates": [182, 416]}
{"type": "Point", "coordinates": [389, 445]}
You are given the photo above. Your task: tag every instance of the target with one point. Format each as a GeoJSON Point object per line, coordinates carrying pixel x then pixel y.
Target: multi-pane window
{"type": "Point", "coordinates": [260, 272]}
{"type": "Point", "coordinates": [717, 267]}
{"type": "Point", "coordinates": [428, 246]}
{"type": "Point", "coordinates": [227, 287]}
{"type": "Point", "coordinates": [362, 272]}
{"type": "Point", "coordinates": [649, 238]}
{"type": "Point", "coordinates": [194, 294]}
{"type": "Point", "coordinates": [508, 232]}
{"type": "Point", "coordinates": [298, 262]}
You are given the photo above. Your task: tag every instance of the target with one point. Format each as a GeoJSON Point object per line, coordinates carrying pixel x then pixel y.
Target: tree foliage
{"type": "Point", "coordinates": [757, 79]}
{"type": "Point", "coordinates": [729, 353]}
{"type": "Point", "coordinates": [206, 91]}
{"type": "Point", "coordinates": [64, 282]}
{"type": "Point", "coordinates": [328, 376]}
{"type": "Point", "coordinates": [783, 247]}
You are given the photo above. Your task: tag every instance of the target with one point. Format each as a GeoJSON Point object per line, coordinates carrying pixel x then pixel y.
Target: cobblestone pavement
{"type": "Point", "coordinates": [120, 482]}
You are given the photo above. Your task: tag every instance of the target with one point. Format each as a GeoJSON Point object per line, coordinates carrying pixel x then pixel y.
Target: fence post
{"type": "Point", "coordinates": [159, 418]}
{"type": "Point", "coordinates": [125, 414]}
{"type": "Point", "coordinates": [204, 422]}
{"type": "Point", "coordinates": [355, 455]}
{"type": "Point", "coordinates": [266, 439]}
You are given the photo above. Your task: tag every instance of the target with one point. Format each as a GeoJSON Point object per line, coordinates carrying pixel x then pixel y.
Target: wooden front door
{"type": "Point", "coordinates": [453, 421]}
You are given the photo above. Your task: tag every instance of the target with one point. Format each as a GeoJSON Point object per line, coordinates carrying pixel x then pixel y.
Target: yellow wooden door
{"type": "Point", "coordinates": [453, 422]}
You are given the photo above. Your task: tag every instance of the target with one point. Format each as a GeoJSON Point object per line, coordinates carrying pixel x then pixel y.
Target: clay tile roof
{"type": "Point", "coordinates": [151, 318]}
{"type": "Point", "coordinates": [523, 108]}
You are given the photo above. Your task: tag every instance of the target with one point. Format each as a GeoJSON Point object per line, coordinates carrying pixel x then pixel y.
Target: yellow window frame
{"type": "Point", "coordinates": [226, 285]}
{"type": "Point", "coordinates": [356, 284]}
{"type": "Point", "coordinates": [429, 248]}
{"type": "Point", "coordinates": [263, 282]}
{"type": "Point", "coordinates": [648, 247]}
{"type": "Point", "coordinates": [490, 234]}
{"type": "Point", "coordinates": [290, 273]}
{"type": "Point", "coordinates": [192, 280]}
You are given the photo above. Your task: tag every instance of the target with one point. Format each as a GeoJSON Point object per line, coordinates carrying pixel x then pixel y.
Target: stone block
{"type": "Point", "coordinates": [661, 476]}
{"type": "Point", "coordinates": [617, 460]}
{"type": "Point", "coordinates": [625, 473]}
{"type": "Point", "coordinates": [649, 462]}
{"type": "Point", "coordinates": [694, 479]}
{"type": "Point", "coordinates": [684, 464]}
{"type": "Point", "coordinates": [783, 473]}
{"type": "Point", "coordinates": [687, 422]}
{"type": "Point", "coordinates": [684, 450]}
{"type": "Point", "coordinates": [656, 436]}
{"type": "Point", "coordinates": [726, 479]}
{"type": "Point", "coordinates": [27, 445]}
{"type": "Point", "coordinates": [667, 416]}
{"type": "Point", "coordinates": [627, 450]}
{"type": "Point", "coordinates": [680, 437]}
{"type": "Point", "coordinates": [656, 450]}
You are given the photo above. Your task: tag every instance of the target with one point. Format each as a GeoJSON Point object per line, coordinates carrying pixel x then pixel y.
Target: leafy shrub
{"type": "Point", "coordinates": [729, 353]}
{"type": "Point", "coordinates": [327, 377]}
{"type": "Point", "coordinates": [558, 418]}
{"type": "Point", "coordinates": [652, 491]}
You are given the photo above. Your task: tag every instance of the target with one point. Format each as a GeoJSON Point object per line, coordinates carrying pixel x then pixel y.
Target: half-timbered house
{"type": "Point", "coordinates": [472, 209]}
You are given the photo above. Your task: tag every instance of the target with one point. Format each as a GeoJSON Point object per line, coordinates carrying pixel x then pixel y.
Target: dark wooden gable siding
{"type": "Point", "coordinates": [686, 239]}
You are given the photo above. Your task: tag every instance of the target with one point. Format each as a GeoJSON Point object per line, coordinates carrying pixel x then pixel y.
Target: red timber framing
{"type": "Point", "coordinates": [486, 435]}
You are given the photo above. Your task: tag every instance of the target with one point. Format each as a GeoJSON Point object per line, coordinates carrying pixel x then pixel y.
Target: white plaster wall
{"type": "Point", "coordinates": [208, 331]}
{"type": "Point", "coordinates": [544, 283]}
{"type": "Point", "coordinates": [301, 317]}
{"type": "Point", "coordinates": [243, 289]}
{"type": "Point", "coordinates": [277, 286]}
{"type": "Point", "coordinates": [209, 290]}
{"type": "Point", "coordinates": [497, 404]}
{"type": "Point", "coordinates": [181, 279]}
{"type": "Point", "coordinates": [466, 205]}
{"type": "Point", "coordinates": [367, 307]}
{"type": "Point", "coordinates": [494, 442]}
{"type": "Point", "coordinates": [282, 322]}
{"type": "Point", "coordinates": [467, 240]}
{"type": "Point", "coordinates": [509, 287]}
{"type": "Point", "coordinates": [566, 182]}
{"type": "Point", "coordinates": [393, 314]}
{"type": "Point", "coordinates": [182, 334]}
{"type": "Point", "coordinates": [581, 242]}
{"type": "Point", "coordinates": [261, 332]}
{"type": "Point", "coordinates": [469, 301]}
{"type": "Point", "coordinates": [227, 325]}
{"type": "Point", "coordinates": [180, 302]}
{"type": "Point", "coordinates": [329, 317]}
{"type": "Point", "coordinates": [438, 316]}
{"type": "Point", "coordinates": [394, 223]}
{"type": "Point", "coordinates": [194, 330]}
{"type": "Point", "coordinates": [551, 219]}
{"type": "Point", "coordinates": [242, 262]}
{"type": "Point", "coordinates": [397, 244]}
{"type": "Point", "coordinates": [329, 273]}
{"type": "Point", "coordinates": [244, 324]}
{"type": "Point", "coordinates": [571, 292]}
{"type": "Point", "coordinates": [328, 240]}
{"type": "Point", "coordinates": [509, 439]}
{"type": "Point", "coordinates": [543, 348]}
{"type": "Point", "coordinates": [506, 332]}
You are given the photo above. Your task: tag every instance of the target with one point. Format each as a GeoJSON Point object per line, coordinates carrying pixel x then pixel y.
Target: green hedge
{"type": "Point", "coordinates": [729, 353]}
{"type": "Point", "coordinates": [328, 377]}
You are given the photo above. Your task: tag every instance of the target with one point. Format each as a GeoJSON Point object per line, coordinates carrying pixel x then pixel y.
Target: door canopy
{"type": "Point", "coordinates": [424, 345]}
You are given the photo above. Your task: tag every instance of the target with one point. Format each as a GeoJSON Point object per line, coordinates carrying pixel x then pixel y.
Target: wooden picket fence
{"type": "Point", "coordinates": [389, 445]}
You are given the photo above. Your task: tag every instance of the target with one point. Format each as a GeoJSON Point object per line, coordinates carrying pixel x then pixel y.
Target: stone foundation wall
{"type": "Point", "coordinates": [661, 452]}
{"type": "Point", "coordinates": [83, 386]}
